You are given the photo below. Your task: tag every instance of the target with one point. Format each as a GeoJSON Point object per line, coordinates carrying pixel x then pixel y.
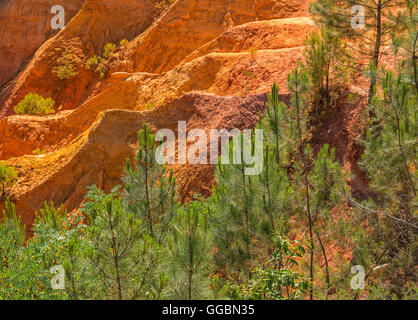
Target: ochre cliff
{"type": "Point", "coordinates": [208, 62]}
{"type": "Point", "coordinates": [24, 28]}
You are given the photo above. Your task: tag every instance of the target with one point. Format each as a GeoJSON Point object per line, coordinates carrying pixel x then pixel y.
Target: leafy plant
{"type": "Point", "coordinates": [35, 104]}
{"type": "Point", "coordinates": [65, 68]}
{"type": "Point", "coordinates": [8, 176]}
{"type": "Point", "coordinates": [277, 281]}
{"type": "Point", "coordinates": [38, 151]}
{"type": "Point", "coordinates": [124, 42]}
{"type": "Point", "coordinates": [100, 64]}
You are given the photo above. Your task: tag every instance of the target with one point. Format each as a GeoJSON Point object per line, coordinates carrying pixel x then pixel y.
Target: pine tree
{"type": "Point", "coordinates": [329, 64]}
{"type": "Point", "coordinates": [190, 246]}
{"type": "Point", "coordinates": [273, 122]}
{"type": "Point", "coordinates": [234, 218]}
{"type": "Point", "coordinates": [274, 195]}
{"type": "Point", "coordinates": [328, 189]}
{"type": "Point", "coordinates": [272, 184]}
{"type": "Point", "coordinates": [390, 162]}
{"type": "Point", "coordinates": [149, 194]}
{"type": "Point", "coordinates": [408, 42]}
{"type": "Point", "coordinates": [331, 68]}
{"type": "Point", "coordinates": [315, 184]}
{"type": "Point", "coordinates": [367, 40]}
{"type": "Point", "coordinates": [299, 84]}
{"type": "Point", "coordinates": [121, 254]}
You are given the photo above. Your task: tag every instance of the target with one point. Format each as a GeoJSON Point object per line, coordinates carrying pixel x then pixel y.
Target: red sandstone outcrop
{"type": "Point", "coordinates": [208, 62]}
{"type": "Point", "coordinates": [97, 23]}
{"type": "Point", "coordinates": [98, 155]}
{"type": "Point", "coordinates": [24, 26]}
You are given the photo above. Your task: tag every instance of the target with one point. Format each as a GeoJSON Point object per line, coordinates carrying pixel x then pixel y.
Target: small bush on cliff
{"type": "Point", "coordinates": [124, 42]}
{"type": "Point", "coordinates": [100, 64]}
{"type": "Point", "coordinates": [7, 176]}
{"type": "Point", "coordinates": [38, 151]}
{"type": "Point", "coordinates": [109, 50]}
{"type": "Point", "coordinates": [35, 104]}
{"type": "Point", "coordinates": [65, 68]}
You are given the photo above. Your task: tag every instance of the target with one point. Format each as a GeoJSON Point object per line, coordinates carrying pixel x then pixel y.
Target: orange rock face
{"type": "Point", "coordinates": [98, 22]}
{"type": "Point", "coordinates": [208, 62]}
{"type": "Point", "coordinates": [24, 27]}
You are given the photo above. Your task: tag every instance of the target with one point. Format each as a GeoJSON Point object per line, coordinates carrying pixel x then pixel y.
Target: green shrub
{"type": "Point", "coordinates": [38, 151]}
{"type": "Point", "coordinates": [35, 104]}
{"type": "Point", "coordinates": [100, 64]}
{"type": "Point", "coordinates": [109, 50]}
{"type": "Point", "coordinates": [92, 62]}
{"type": "Point", "coordinates": [148, 105]}
{"type": "Point", "coordinates": [65, 68]}
{"type": "Point", "coordinates": [276, 279]}
{"type": "Point", "coordinates": [7, 176]}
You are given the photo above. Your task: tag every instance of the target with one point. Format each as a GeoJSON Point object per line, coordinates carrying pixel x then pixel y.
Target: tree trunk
{"type": "Point", "coordinates": [307, 198]}
{"type": "Point", "coordinates": [247, 228]}
{"type": "Point", "coordinates": [115, 259]}
{"type": "Point", "coordinates": [375, 59]}
{"type": "Point", "coordinates": [147, 195]}
{"type": "Point", "coordinates": [414, 62]}
{"type": "Point", "coordinates": [326, 261]}
{"type": "Point", "coordinates": [269, 195]}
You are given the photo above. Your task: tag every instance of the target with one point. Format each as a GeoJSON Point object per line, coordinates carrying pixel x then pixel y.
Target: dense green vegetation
{"type": "Point", "coordinates": [35, 104]}
{"type": "Point", "coordinates": [292, 232]}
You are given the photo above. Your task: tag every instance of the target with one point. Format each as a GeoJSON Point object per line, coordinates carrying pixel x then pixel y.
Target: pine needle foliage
{"type": "Point", "coordinates": [407, 43]}
{"type": "Point", "coordinates": [390, 162]}
{"type": "Point", "coordinates": [234, 221]}
{"type": "Point", "coordinates": [366, 39]}
{"type": "Point", "coordinates": [149, 193]}
{"type": "Point", "coordinates": [189, 244]}
{"type": "Point", "coordinates": [331, 69]}
{"type": "Point", "coordinates": [121, 254]}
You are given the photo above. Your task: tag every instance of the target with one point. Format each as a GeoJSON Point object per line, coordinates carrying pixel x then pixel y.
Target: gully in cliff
{"type": "Point", "coordinates": [246, 147]}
